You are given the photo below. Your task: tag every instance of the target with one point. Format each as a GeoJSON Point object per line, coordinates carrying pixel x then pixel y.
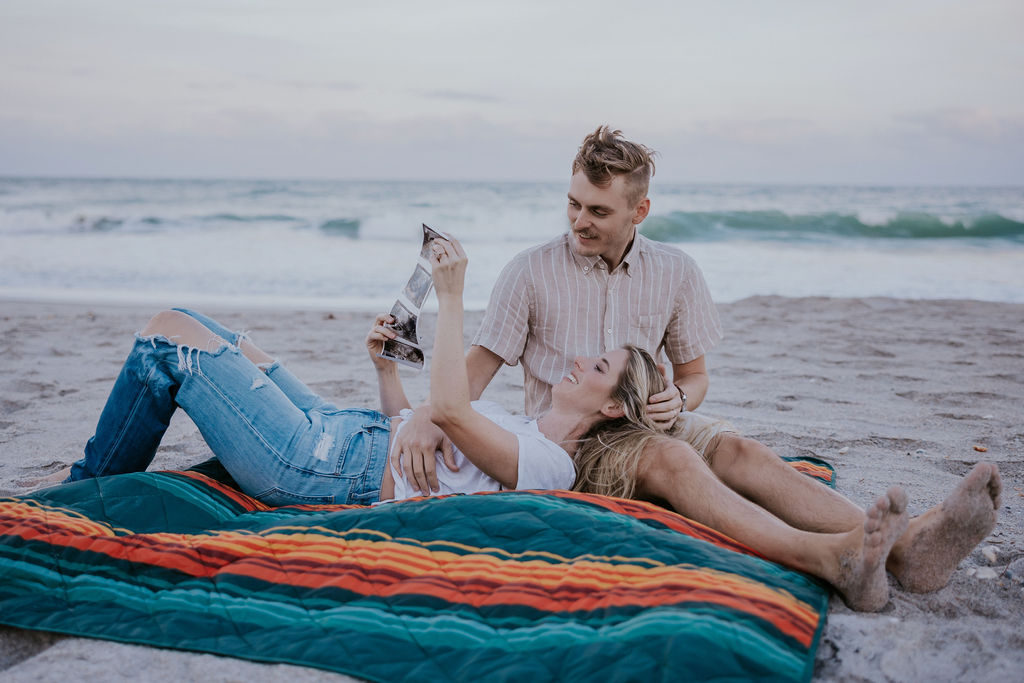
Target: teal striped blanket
{"type": "Point", "coordinates": [535, 586]}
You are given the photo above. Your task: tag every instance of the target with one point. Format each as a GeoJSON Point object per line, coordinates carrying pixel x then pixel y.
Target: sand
{"type": "Point", "coordinates": [889, 391]}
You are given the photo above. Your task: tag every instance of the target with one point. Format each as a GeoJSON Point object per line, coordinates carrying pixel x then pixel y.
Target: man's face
{"type": "Point", "coordinates": [601, 221]}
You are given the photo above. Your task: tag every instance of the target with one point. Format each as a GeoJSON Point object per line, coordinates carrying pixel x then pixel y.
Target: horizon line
{"type": "Point", "coordinates": [520, 181]}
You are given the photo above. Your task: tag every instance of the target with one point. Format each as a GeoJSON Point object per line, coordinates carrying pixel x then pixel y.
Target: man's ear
{"type": "Point", "coordinates": [612, 409]}
{"type": "Point", "coordinates": [641, 210]}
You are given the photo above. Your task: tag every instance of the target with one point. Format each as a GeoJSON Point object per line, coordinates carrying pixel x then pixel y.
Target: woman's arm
{"type": "Point", "coordinates": [492, 449]}
{"type": "Point", "coordinates": [392, 393]}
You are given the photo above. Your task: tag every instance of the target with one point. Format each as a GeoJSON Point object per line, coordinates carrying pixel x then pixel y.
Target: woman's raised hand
{"type": "Point", "coordinates": [375, 338]}
{"type": "Point", "coordinates": [448, 264]}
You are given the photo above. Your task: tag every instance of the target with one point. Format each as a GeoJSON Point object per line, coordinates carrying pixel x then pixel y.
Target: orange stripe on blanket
{"type": "Point", "coordinates": [196, 553]}
{"type": "Point", "coordinates": [370, 567]}
{"type": "Point", "coordinates": [818, 471]}
{"type": "Point", "coordinates": [17, 514]}
{"type": "Point", "coordinates": [247, 502]}
{"type": "Point", "coordinates": [670, 585]}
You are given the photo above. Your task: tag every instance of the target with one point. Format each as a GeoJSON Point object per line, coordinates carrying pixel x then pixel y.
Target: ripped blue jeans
{"type": "Point", "coordinates": [281, 442]}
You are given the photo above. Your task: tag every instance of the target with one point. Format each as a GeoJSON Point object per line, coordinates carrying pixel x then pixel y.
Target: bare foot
{"type": "Point", "coordinates": [861, 578]}
{"type": "Point", "coordinates": [936, 541]}
{"type": "Point", "coordinates": [49, 480]}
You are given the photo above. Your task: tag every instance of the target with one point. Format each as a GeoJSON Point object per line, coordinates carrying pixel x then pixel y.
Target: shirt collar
{"type": "Point", "coordinates": [589, 263]}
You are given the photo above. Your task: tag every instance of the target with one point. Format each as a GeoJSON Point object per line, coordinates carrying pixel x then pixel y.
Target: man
{"type": "Point", "coordinates": [601, 285]}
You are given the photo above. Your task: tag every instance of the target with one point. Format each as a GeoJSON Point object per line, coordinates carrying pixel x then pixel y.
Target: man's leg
{"type": "Point", "coordinates": [757, 473]}
{"type": "Point", "coordinates": [852, 561]}
{"type": "Point", "coordinates": [922, 559]}
{"type": "Point", "coordinates": [928, 553]}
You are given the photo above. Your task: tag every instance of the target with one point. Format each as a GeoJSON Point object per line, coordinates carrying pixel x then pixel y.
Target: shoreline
{"type": "Point", "coordinates": [156, 301]}
{"type": "Point", "coordinates": [890, 391]}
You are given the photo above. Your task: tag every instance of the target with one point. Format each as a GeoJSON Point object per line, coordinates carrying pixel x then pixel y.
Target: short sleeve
{"type": "Point", "coordinates": [543, 464]}
{"type": "Point", "coordinates": [694, 327]}
{"type": "Point", "coordinates": [505, 325]}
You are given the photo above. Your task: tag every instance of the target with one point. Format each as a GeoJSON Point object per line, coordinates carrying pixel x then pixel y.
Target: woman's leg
{"type": "Point", "coordinates": [239, 339]}
{"type": "Point", "coordinates": [276, 450]}
{"type": "Point", "coordinates": [141, 403]}
{"type": "Point", "coordinates": [293, 387]}
{"type": "Point", "coordinates": [272, 448]}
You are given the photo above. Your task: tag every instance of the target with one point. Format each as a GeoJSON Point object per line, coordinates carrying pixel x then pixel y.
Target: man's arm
{"type": "Point", "coordinates": [694, 327]}
{"type": "Point", "coordinates": [482, 364]}
{"type": "Point", "coordinates": [692, 378]}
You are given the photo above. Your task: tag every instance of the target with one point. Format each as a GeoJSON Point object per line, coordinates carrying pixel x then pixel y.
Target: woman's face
{"type": "Point", "coordinates": [590, 383]}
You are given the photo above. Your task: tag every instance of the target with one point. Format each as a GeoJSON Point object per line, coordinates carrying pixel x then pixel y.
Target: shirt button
{"type": "Point", "coordinates": [609, 330]}
{"type": "Point", "coordinates": [586, 269]}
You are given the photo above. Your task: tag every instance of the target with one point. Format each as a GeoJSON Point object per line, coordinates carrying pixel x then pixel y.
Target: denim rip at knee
{"type": "Point", "coordinates": [280, 441]}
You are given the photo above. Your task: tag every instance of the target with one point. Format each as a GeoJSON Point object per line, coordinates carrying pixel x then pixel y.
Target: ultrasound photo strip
{"type": "Point", "coordinates": [406, 349]}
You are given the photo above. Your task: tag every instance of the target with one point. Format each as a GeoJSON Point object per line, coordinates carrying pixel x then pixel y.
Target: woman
{"type": "Point", "coordinates": [283, 444]}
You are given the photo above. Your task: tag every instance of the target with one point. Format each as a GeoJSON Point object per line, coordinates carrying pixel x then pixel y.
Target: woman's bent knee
{"type": "Point", "coordinates": [183, 329]}
{"type": "Point", "coordinates": [166, 323]}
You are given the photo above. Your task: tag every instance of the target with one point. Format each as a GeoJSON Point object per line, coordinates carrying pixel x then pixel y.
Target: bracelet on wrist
{"type": "Point", "coordinates": [682, 396]}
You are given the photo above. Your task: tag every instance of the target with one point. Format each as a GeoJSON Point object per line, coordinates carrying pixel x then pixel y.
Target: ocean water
{"type": "Point", "coordinates": [322, 244]}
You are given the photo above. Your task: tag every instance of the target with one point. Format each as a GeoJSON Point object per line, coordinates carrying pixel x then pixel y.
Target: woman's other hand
{"type": "Point", "coordinates": [375, 338]}
{"type": "Point", "coordinates": [448, 265]}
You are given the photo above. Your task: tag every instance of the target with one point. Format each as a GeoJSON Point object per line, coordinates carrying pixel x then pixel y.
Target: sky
{"type": "Point", "coordinates": [866, 92]}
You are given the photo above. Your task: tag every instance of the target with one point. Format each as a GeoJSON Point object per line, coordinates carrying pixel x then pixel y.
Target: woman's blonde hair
{"type": "Point", "coordinates": [609, 453]}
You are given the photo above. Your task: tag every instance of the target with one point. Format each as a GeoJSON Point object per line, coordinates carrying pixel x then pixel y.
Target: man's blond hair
{"type": "Point", "coordinates": [605, 154]}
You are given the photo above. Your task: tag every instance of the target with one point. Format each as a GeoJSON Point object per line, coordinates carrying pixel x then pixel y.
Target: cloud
{"type": "Point", "coordinates": [212, 86]}
{"type": "Point", "coordinates": [240, 142]}
{"type": "Point", "coordinates": [345, 86]}
{"type": "Point", "coordinates": [341, 138]}
{"type": "Point", "coordinates": [460, 96]}
{"type": "Point", "coordinates": [755, 131]}
{"type": "Point", "coordinates": [71, 72]}
{"type": "Point", "coordinates": [962, 125]}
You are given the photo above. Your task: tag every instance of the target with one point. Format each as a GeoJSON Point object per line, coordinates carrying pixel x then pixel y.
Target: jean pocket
{"type": "Point", "coordinates": [359, 449]}
{"type": "Point", "coordinates": [276, 497]}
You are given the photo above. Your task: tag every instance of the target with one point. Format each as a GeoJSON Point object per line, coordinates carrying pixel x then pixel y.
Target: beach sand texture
{"type": "Point", "coordinates": [889, 391]}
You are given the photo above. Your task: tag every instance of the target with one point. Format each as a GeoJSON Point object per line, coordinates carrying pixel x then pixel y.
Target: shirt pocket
{"type": "Point", "coordinates": [647, 330]}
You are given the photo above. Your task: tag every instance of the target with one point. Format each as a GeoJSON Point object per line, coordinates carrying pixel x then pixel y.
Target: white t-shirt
{"type": "Point", "coordinates": [543, 464]}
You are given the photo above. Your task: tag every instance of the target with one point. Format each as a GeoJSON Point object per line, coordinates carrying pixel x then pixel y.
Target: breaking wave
{"type": "Point", "coordinates": [679, 226]}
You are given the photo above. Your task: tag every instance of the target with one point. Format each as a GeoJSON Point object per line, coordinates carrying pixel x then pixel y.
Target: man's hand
{"type": "Point", "coordinates": [416, 445]}
{"type": "Point", "coordinates": [664, 407]}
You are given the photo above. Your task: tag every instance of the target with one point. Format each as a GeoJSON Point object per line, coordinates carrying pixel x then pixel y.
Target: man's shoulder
{"type": "Point", "coordinates": [655, 250]}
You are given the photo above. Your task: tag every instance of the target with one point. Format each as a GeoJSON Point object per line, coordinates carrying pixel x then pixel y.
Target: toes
{"type": "Point", "coordinates": [985, 475]}
{"type": "Point", "coordinates": [874, 513]}
{"type": "Point", "coordinates": [995, 486]}
{"type": "Point", "coordinates": [897, 499]}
